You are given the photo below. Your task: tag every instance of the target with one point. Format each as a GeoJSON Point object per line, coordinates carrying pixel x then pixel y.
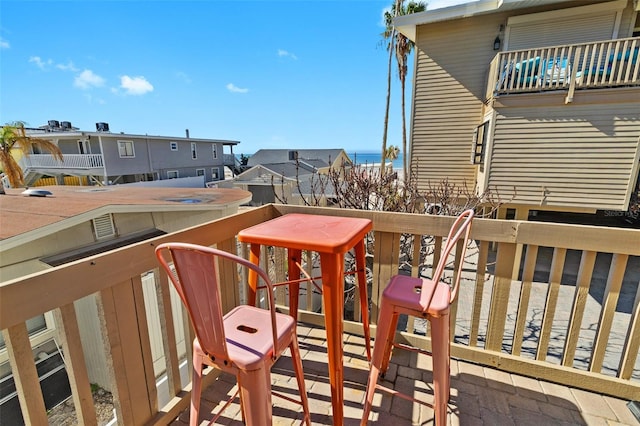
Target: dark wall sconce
{"type": "Point", "coordinates": [496, 43]}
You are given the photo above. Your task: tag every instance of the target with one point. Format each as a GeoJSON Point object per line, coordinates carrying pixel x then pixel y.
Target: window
{"type": "Point", "coordinates": [172, 174]}
{"type": "Point", "coordinates": [214, 174]}
{"type": "Point", "coordinates": [174, 146]}
{"type": "Point", "coordinates": [199, 172]}
{"type": "Point", "coordinates": [194, 153]}
{"type": "Point", "coordinates": [34, 325]}
{"type": "Point", "coordinates": [480, 135]}
{"type": "Point", "coordinates": [215, 151]}
{"type": "Point", "coordinates": [125, 149]}
{"type": "Point", "coordinates": [84, 147]}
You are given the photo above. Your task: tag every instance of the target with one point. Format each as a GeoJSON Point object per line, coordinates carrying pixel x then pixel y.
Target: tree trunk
{"type": "Point", "coordinates": [386, 112]}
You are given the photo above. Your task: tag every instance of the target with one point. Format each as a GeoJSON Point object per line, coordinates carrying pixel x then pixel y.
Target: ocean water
{"type": "Point", "coordinates": [371, 157]}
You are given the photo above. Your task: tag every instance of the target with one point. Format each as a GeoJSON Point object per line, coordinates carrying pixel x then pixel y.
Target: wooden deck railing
{"type": "Point", "coordinates": [611, 63]}
{"type": "Point", "coordinates": [567, 310]}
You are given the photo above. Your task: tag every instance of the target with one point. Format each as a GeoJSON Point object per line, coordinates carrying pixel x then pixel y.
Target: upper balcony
{"type": "Point", "coordinates": [69, 162]}
{"type": "Point", "coordinates": [586, 66]}
{"type": "Point", "coordinates": [554, 302]}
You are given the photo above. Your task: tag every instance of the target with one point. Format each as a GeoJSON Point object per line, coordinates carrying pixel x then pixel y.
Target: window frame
{"type": "Point", "coordinates": [480, 140]}
{"type": "Point", "coordinates": [122, 145]}
{"type": "Point", "coordinates": [176, 172]}
{"type": "Point", "coordinates": [173, 146]}
{"type": "Point", "coordinates": [194, 151]}
{"type": "Point", "coordinates": [214, 149]}
{"type": "Point", "coordinates": [215, 173]}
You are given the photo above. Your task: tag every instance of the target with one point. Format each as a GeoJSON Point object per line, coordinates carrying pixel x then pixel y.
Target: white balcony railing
{"type": "Point", "coordinates": [69, 161]}
{"type": "Point", "coordinates": [611, 63]}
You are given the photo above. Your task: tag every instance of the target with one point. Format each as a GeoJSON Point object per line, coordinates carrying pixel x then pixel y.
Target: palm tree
{"type": "Point", "coordinates": [14, 137]}
{"type": "Point", "coordinates": [404, 47]}
{"type": "Point", "coordinates": [392, 152]}
{"type": "Point", "coordinates": [389, 34]}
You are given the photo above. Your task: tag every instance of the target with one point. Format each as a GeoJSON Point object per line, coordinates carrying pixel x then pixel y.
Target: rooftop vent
{"type": "Point", "coordinates": [66, 125]}
{"type": "Point", "coordinates": [102, 127]}
{"type": "Point", "coordinates": [53, 124]}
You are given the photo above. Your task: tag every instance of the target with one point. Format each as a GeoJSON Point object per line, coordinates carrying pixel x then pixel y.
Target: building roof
{"type": "Point", "coordinates": [75, 134]}
{"type": "Point", "coordinates": [407, 24]}
{"type": "Point", "coordinates": [25, 217]}
{"type": "Point", "coordinates": [274, 156]}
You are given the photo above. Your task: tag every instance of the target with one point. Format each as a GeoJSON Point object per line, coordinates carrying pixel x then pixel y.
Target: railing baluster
{"type": "Point", "coordinates": [585, 272]}
{"type": "Point", "coordinates": [481, 270]}
{"type": "Point", "coordinates": [69, 334]}
{"type": "Point", "coordinates": [611, 295]}
{"type": "Point", "coordinates": [500, 295]}
{"type": "Point", "coordinates": [415, 270]}
{"type": "Point", "coordinates": [119, 320]}
{"type": "Point", "coordinates": [25, 375]}
{"type": "Point", "coordinates": [167, 331]}
{"type": "Point", "coordinates": [555, 278]}
{"type": "Point", "coordinates": [632, 342]}
{"type": "Point", "coordinates": [523, 302]}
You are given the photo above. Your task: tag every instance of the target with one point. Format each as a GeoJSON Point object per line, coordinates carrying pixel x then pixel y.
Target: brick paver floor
{"type": "Point", "coordinates": [479, 395]}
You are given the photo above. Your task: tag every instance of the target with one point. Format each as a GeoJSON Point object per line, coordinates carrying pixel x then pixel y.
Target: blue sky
{"type": "Point", "coordinates": [270, 74]}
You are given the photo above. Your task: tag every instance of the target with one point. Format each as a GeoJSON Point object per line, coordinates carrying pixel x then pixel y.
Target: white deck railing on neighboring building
{"type": "Point", "coordinates": [69, 161]}
{"type": "Point", "coordinates": [611, 63]}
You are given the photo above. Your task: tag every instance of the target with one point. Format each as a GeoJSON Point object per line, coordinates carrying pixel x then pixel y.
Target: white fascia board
{"type": "Point", "coordinates": [407, 24]}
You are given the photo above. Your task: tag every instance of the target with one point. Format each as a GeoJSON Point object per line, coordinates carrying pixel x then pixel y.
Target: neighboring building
{"type": "Point", "coordinates": [321, 159]}
{"type": "Point", "coordinates": [292, 174]}
{"type": "Point", "coordinates": [37, 233]}
{"type": "Point", "coordinates": [106, 158]}
{"type": "Point", "coordinates": [542, 96]}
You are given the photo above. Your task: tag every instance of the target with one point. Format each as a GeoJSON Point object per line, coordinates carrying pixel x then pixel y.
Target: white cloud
{"type": "Point", "coordinates": [439, 4]}
{"type": "Point", "coordinates": [40, 63]}
{"type": "Point", "coordinates": [4, 44]}
{"type": "Point", "coordinates": [282, 52]}
{"type": "Point", "coordinates": [67, 67]}
{"type": "Point", "coordinates": [87, 79]}
{"type": "Point", "coordinates": [135, 85]}
{"type": "Point", "coordinates": [235, 89]}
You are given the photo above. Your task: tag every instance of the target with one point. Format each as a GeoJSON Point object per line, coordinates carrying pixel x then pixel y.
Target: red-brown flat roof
{"type": "Point", "coordinates": [21, 213]}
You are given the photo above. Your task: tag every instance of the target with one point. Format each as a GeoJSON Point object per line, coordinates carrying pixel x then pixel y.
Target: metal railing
{"type": "Point", "coordinates": [551, 301]}
{"type": "Point", "coordinates": [611, 63]}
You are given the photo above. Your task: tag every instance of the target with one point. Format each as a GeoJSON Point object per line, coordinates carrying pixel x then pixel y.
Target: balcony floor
{"type": "Point", "coordinates": [479, 395]}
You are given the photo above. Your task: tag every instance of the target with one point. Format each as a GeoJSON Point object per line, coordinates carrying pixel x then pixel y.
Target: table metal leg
{"type": "Point", "coordinates": [254, 257]}
{"type": "Point", "coordinates": [364, 297]}
{"type": "Point", "coordinates": [294, 256]}
{"type": "Point", "coordinates": [332, 266]}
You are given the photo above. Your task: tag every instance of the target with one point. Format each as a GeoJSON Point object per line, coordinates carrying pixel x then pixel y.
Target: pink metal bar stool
{"type": "Point", "coordinates": [245, 342]}
{"type": "Point", "coordinates": [425, 298]}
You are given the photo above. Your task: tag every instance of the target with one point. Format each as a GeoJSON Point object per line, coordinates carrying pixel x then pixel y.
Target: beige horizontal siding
{"type": "Point", "coordinates": [584, 156]}
{"type": "Point", "coordinates": [579, 29]}
{"type": "Point", "coordinates": [448, 97]}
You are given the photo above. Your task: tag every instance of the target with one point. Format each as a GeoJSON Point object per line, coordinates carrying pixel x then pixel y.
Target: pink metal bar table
{"type": "Point", "coordinates": [331, 237]}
